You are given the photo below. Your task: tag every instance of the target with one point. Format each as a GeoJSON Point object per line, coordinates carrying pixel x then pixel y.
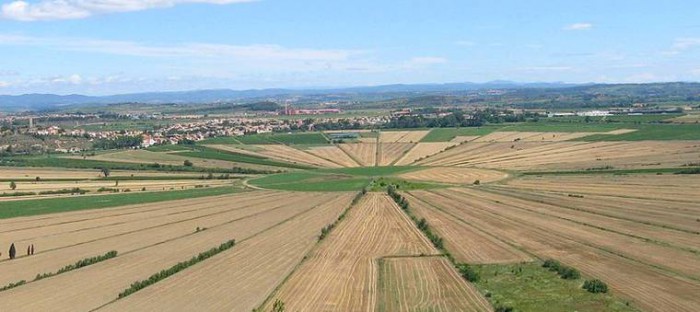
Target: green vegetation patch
{"type": "Point", "coordinates": [652, 132]}
{"type": "Point", "coordinates": [447, 134]}
{"type": "Point", "coordinates": [310, 181]}
{"type": "Point", "coordinates": [530, 287]}
{"type": "Point", "coordinates": [32, 207]}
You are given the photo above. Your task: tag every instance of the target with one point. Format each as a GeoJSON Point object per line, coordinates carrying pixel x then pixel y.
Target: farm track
{"type": "Point", "coordinates": [650, 288]}
{"type": "Point", "coordinates": [253, 268]}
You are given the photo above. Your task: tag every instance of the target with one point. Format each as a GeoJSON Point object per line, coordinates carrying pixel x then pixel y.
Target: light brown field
{"type": "Point", "coordinates": [133, 185]}
{"type": "Point", "coordinates": [24, 173]}
{"type": "Point", "coordinates": [423, 150]}
{"type": "Point", "coordinates": [455, 175]}
{"type": "Point", "coordinates": [689, 118]}
{"type": "Point", "coordinates": [630, 264]}
{"type": "Point", "coordinates": [570, 155]}
{"type": "Point", "coordinates": [280, 153]}
{"type": "Point", "coordinates": [240, 279]}
{"type": "Point", "coordinates": [294, 155]}
{"type": "Point", "coordinates": [363, 153]}
{"type": "Point", "coordinates": [466, 243]}
{"type": "Point", "coordinates": [391, 152]}
{"type": "Point", "coordinates": [334, 154]}
{"type": "Point", "coordinates": [108, 278]}
{"type": "Point", "coordinates": [147, 157]}
{"type": "Point", "coordinates": [402, 136]}
{"type": "Point", "coordinates": [341, 275]}
{"type": "Point", "coordinates": [425, 284]}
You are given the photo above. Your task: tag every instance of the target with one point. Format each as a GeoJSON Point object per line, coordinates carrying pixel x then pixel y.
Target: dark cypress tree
{"type": "Point", "coordinates": [12, 251]}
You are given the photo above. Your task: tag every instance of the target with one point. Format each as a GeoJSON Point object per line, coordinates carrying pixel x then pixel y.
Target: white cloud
{"type": "Point", "coordinates": [579, 26]}
{"type": "Point", "coordinates": [427, 60]}
{"type": "Point", "coordinates": [545, 68]}
{"type": "Point", "coordinates": [268, 52]}
{"type": "Point", "coordinates": [72, 79]}
{"type": "Point", "coordinates": [75, 9]}
{"type": "Point", "coordinates": [4, 84]}
{"type": "Point", "coordinates": [682, 44]}
{"type": "Point", "coordinates": [465, 43]}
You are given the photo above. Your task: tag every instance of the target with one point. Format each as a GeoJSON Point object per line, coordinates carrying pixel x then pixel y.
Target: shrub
{"type": "Point", "coordinates": [502, 308]}
{"type": "Point", "coordinates": [467, 272]}
{"type": "Point", "coordinates": [595, 286]}
{"type": "Point", "coordinates": [187, 163]}
{"type": "Point", "coordinates": [477, 182]}
{"type": "Point", "coordinates": [565, 272]}
{"type": "Point", "coordinates": [13, 185]}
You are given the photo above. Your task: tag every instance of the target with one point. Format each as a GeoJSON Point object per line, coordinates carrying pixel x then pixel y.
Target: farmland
{"type": "Point", "coordinates": [481, 210]}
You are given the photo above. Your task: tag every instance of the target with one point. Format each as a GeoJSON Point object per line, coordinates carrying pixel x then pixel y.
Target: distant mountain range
{"type": "Point", "coordinates": [33, 102]}
{"type": "Point", "coordinates": [36, 102]}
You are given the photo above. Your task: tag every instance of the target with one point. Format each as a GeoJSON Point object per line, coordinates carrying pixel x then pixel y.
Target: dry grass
{"type": "Point", "coordinates": [334, 154]}
{"type": "Point", "coordinates": [392, 152]}
{"type": "Point", "coordinates": [364, 153]}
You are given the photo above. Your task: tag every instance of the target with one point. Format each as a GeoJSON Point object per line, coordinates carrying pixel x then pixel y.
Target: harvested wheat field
{"type": "Point", "coordinates": [569, 155]}
{"type": "Point", "coordinates": [111, 185]}
{"type": "Point", "coordinates": [389, 153]}
{"type": "Point", "coordinates": [363, 153]}
{"type": "Point", "coordinates": [467, 243]}
{"type": "Point", "coordinates": [630, 264]}
{"type": "Point", "coordinates": [341, 275]}
{"type": "Point", "coordinates": [425, 284]}
{"type": "Point", "coordinates": [421, 151]}
{"type": "Point", "coordinates": [290, 154]}
{"type": "Point", "coordinates": [402, 136]}
{"type": "Point", "coordinates": [147, 157]}
{"type": "Point", "coordinates": [239, 280]}
{"type": "Point", "coordinates": [334, 154]}
{"type": "Point", "coordinates": [108, 278]}
{"type": "Point", "coordinates": [455, 175]}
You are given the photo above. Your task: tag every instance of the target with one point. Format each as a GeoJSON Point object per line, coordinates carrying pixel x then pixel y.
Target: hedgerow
{"type": "Point", "coordinates": [82, 263]}
{"type": "Point", "coordinates": [138, 285]}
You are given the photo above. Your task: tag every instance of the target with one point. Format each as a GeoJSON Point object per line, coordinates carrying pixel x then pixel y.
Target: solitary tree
{"type": "Point", "coordinates": [13, 185]}
{"type": "Point", "coordinates": [12, 252]}
{"type": "Point", "coordinates": [105, 172]}
{"type": "Point", "coordinates": [188, 163]}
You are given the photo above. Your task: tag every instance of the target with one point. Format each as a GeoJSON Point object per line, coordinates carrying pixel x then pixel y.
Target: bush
{"type": "Point", "coordinates": [565, 272]}
{"type": "Point", "coordinates": [188, 163]}
{"type": "Point", "coordinates": [467, 272]}
{"type": "Point", "coordinates": [595, 286]}
{"type": "Point", "coordinates": [502, 308]}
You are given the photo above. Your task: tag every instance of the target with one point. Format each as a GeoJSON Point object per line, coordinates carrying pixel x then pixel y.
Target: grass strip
{"type": "Point", "coordinates": [32, 207]}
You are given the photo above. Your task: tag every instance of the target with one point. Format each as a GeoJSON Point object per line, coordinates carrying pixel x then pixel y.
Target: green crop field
{"type": "Point", "coordinates": [652, 132]}
{"type": "Point", "coordinates": [32, 207]}
{"type": "Point", "coordinates": [529, 287]}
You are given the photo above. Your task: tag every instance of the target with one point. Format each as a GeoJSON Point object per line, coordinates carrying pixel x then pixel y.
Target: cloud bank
{"type": "Point", "coordinates": [47, 10]}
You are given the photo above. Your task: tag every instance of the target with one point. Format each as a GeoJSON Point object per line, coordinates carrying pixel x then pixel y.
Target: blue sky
{"type": "Point", "coordinates": [111, 46]}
